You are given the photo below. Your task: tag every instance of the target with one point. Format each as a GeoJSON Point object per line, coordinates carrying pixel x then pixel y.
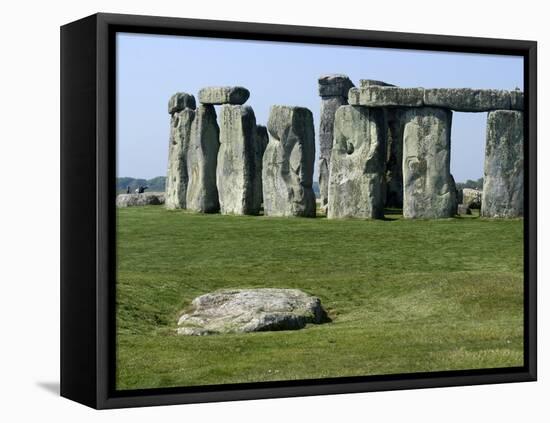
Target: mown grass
{"type": "Point", "coordinates": [403, 295]}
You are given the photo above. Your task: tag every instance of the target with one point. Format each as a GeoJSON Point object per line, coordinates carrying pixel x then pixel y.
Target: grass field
{"type": "Point", "coordinates": [403, 295]}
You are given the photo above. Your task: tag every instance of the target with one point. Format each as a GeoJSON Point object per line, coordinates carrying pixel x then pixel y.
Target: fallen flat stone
{"type": "Point", "coordinates": [503, 170]}
{"type": "Point", "coordinates": [144, 199]}
{"type": "Point", "coordinates": [357, 164]}
{"type": "Point", "coordinates": [287, 173]}
{"type": "Point", "coordinates": [223, 95]}
{"type": "Point", "coordinates": [334, 85]}
{"type": "Point", "coordinates": [429, 191]}
{"type": "Point", "coordinates": [181, 101]}
{"type": "Point", "coordinates": [250, 310]}
{"type": "Point", "coordinates": [386, 96]}
{"type": "Point", "coordinates": [467, 99]}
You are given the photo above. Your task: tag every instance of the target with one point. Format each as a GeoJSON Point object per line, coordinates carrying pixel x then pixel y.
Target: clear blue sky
{"type": "Point", "coordinates": [150, 68]}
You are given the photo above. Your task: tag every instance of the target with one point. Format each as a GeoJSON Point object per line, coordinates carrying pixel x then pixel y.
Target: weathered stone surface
{"type": "Point", "coordinates": [471, 197]}
{"type": "Point", "coordinates": [237, 161]}
{"type": "Point", "coordinates": [251, 310]}
{"type": "Point", "coordinates": [467, 99]}
{"type": "Point", "coordinates": [202, 158]}
{"type": "Point", "coordinates": [503, 172]}
{"type": "Point", "coordinates": [329, 105]}
{"type": "Point", "coordinates": [428, 187]}
{"type": "Point", "coordinates": [386, 96]}
{"type": "Point", "coordinates": [394, 159]}
{"type": "Point", "coordinates": [287, 173]}
{"type": "Point", "coordinates": [262, 139]}
{"type": "Point", "coordinates": [144, 199]}
{"type": "Point", "coordinates": [463, 209]}
{"type": "Point", "coordinates": [181, 101]}
{"type": "Point", "coordinates": [357, 163]}
{"type": "Point", "coordinates": [334, 85]}
{"type": "Point", "coordinates": [363, 83]}
{"type": "Point", "coordinates": [177, 177]}
{"type": "Point", "coordinates": [516, 100]}
{"type": "Point", "coordinates": [454, 194]}
{"type": "Point", "coordinates": [223, 95]}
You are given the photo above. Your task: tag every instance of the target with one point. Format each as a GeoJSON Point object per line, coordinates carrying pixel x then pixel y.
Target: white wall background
{"type": "Point", "coordinates": [29, 234]}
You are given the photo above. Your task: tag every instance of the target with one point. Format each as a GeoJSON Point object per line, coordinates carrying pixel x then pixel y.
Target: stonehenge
{"type": "Point", "coordinates": [236, 173]}
{"type": "Point", "coordinates": [503, 171]}
{"type": "Point", "coordinates": [202, 160]}
{"type": "Point", "coordinates": [181, 107]}
{"type": "Point", "coordinates": [333, 90]}
{"type": "Point", "coordinates": [429, 191]}
{"type": "Point", "coordinates": [418, 147]}
{"type": "Point", "coordinates": [288, 161]}
{"type": "Point", "coordinates": [393, 188]}
{"type": "Point", "coordinates": [262, 139]}
{"type": "Point", "coordinates": [467, 100]}
{"type": "Point", "coordinates": [223, 95]}
{"type": "Point", "coordinates": [357, 163]}
{"type": "Point", "coordinates": [250, 310]}
{"type": "Point", "coordinates": [471, 198]}
{"type": "Point", "coordinates": [385, 96]}
{"type": "Point", "coordinates": [380, 146]}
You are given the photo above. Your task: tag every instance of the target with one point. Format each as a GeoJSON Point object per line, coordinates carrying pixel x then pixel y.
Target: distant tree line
{"type": "Point", "coordinates": [477, 184]}
{"type": "Point", "coordinates": [156, 184]}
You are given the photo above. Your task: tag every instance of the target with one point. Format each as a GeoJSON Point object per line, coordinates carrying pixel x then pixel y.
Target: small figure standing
{"type": "Point", "coordinates": [141, 189]}
{"type": "Point", "coordinates": [128, 189]}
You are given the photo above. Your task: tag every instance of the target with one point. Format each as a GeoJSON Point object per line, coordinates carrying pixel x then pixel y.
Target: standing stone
{"type": "Point", "coordinates": [333, 90]}
{"type": "Point", "coordinates": [202, 158]}
{"type": "Point", "coordinates": [181, 101]}
{"type": "Point", "coordinates": [503, 174]}
{"type": "Point", "coordinates": [237, 162]}
{"type": "Point", "coordinates": [288, 161]}
{"type": "Point", "coordinates": [357, 163]}
{"type": "Point", "coordinates": [428, 187]}
{"type": "Point", "coordinates": [262, 138]}
{"type": "Point", "coordinates": [181, 107]}
{"type": "Point", "coordinates": [394, 159]}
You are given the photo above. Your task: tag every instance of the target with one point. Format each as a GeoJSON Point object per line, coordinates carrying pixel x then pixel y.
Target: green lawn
{"type": "Point", "coordinates": [403, 295]}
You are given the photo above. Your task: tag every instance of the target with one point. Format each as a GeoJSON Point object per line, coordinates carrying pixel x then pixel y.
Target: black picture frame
{"type": "Point", "coordinates": [88, 151]}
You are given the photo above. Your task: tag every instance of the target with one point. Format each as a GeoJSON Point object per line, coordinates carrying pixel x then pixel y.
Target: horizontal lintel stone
{"type": "Point", "coordinates": [458, 99]}
{"type": "Point", "coordinates": [386, 96]}
{"type": "Point", "coordinates": [223, 95]}
{"type": "Point", "coordinates": [370, 82]}
{"type": "Point", "coordinates": [467, 99]}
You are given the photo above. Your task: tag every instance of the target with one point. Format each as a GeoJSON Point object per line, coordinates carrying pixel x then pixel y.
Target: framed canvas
{"type": "Point", "coordinates": [258, 211]}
